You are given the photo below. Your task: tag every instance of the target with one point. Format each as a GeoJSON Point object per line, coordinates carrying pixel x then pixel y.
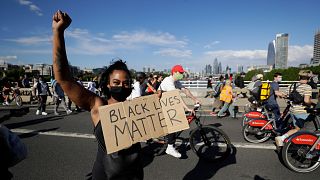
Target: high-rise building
{"type": "Point", "coordinates": [215, 66]}
{"type": "Point", "coordinates": [240, 68]}
{"type": "Point", "coordinates": [208, 70]}
{"type": "Point", "coordinates": [220, 68]}
{"type": "Point", "coordinates": [271, 57]}
{"type": "Point", "coordinates": [316, 48]}
{"type": "Point", "coordinates": [281, 59]}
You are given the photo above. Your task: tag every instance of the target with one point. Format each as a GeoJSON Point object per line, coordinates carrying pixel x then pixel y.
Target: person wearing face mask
{"type": "Point", "coordinates": [124, 164]}
{"type": "Point", "coordinates": [171, 83]}
{"type": "Point", "coordinates": [138, 86]}
{"type": "Point", "coordinates": [272, 103]}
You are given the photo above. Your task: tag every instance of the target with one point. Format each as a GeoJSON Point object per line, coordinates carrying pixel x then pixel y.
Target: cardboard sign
{"type": "Point", "coordinates": [140, 119]}
{"type": "Point", "coordinates": [173, 111]}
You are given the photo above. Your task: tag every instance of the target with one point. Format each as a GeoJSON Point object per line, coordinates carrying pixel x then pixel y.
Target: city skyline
{"type": "Point", "coordinates": [159, 33]}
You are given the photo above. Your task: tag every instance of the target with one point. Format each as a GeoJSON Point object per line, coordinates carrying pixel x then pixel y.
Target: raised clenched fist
{"type": "Point", "coordinates": [60, 21]}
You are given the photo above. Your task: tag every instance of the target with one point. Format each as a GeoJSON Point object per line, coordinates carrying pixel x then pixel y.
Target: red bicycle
{"type": "Point", "coordinates": [260, 126]}
{"type": "Point", "coordinates": [301, 151]}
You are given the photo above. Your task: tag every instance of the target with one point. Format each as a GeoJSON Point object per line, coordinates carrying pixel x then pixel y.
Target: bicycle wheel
{"type": "Point", "coordinates": [18, 100]}
{"type": "Point", "coordinates": [294, 157]}
{"type": "Point", "coordinates": [210, 143]}
{"type": "Point", "coordinates": [254, 135]}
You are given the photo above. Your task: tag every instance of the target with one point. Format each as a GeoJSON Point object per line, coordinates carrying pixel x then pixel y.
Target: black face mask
{"type": "Point", "coordinates": [119, 93]}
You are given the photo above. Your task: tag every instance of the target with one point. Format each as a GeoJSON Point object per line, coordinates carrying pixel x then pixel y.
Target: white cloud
{"type": "Point", "coordinates": [24, 2]}
{"type": "Point", "coordinates": [238, 54]}
{"type": "Point", "coordinates": [89, 44]}
{"type": "Point", "coordinates": [8, 58]}
{"type": "Point", "coordinates": [33, 40]}
{"type": "Point", "coordinates": [82, 41]}
{"type": "Point", "coordinates": [97, 44]}
{"type": "Point", "coordinates": [299, 54]}
{"type": "Point", "coordinates": [34, 8]}
{"type": "Point", "coordinates": [210, 45]}
{"type": "Point", "coordinates": [159, 38]}
{"type": "Point", "coordinates": [174, 53]}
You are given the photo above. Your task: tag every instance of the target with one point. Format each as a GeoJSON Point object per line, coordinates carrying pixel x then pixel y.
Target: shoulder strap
{"type": "Point", "coordinates": [294, 87]}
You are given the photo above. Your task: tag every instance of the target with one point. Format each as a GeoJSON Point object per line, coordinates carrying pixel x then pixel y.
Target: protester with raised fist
{"type": "Point", "coordinates": [124, 164]}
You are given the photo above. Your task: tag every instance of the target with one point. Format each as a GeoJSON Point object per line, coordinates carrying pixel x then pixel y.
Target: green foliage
{"type": "Point", "coordinates": [14, 74]}
{"type": "Point", "coordinates": [252, 73]}
{"type": "Point", "coordinates": [290, 74]}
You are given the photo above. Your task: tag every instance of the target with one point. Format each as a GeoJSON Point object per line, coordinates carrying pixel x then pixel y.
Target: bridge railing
{"type": "Point", "coordinates": [201, 84]}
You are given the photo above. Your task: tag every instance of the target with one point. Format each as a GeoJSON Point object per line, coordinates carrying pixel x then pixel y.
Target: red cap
{"type": "Point", "coordinates": [177, 68]}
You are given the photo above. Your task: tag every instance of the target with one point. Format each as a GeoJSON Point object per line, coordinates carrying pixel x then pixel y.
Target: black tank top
{"type": "Point", "coordinates": [125, 164]}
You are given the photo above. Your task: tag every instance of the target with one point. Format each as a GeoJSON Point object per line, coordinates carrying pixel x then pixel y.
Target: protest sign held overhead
{"type": "Point", "coordinates": [140, 119]}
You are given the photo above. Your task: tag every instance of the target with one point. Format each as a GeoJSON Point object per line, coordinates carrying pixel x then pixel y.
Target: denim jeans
{"type": "Point", "coordinates": [276, 111]}
{"type": "Point", "coordinates": [299, 119]}
{"type": "Point", "coordinates": [227, 106]}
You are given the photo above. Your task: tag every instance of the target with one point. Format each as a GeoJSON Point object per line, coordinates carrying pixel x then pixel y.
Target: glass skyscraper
{"type": "Point", "coordinates": [281, 46]}
{"type": "Point", "coordinates": [215, 66]}
{"type": "Point", "coordinates": [271, 57]}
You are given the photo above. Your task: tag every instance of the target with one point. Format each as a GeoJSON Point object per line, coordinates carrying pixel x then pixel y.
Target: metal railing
{"type": "Point", "coordinates": [201, 84]}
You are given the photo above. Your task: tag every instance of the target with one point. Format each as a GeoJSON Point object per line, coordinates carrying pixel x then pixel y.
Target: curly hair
{"type": "Point", "coordinates": [104, 78]}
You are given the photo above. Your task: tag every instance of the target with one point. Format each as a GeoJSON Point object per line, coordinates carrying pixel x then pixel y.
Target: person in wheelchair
{"type": "Point", "coordinates": [301, 98]}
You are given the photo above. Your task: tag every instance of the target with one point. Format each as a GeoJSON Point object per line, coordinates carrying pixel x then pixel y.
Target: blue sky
{"type": "Point", "coordinates": [159, 33]}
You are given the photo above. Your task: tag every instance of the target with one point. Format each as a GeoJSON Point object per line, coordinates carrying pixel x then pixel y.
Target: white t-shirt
{"type": "Point", "coordinates": [168, 84]}
{"type": "Point", "coordinates": [92, 87]}
{"type": "Point", "coordinates": [136, 91]}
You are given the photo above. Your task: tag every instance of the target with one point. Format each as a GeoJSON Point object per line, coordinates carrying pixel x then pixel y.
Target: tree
{"type": "Point", "coordinates": [14, 74]}
{"type": "Point", "coordinates": [252, 73]}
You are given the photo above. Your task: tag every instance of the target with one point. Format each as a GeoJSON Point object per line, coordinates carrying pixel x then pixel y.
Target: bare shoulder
{"type": "Point", "coordinates": [95, 109]}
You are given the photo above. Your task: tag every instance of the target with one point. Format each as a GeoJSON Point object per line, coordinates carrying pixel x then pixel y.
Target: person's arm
{"type": "Point", "coordinates": [276, 90]}
{"type": "Point", "coordinates": [152, 88]}
{"type": "Point", "coordinates": [307, 100]}
{"type": "Point", "coordinates": [280, 94]}
{"type": "Point", "coordinates": [187, 92]}
{"type": "Point", "coordinates": [62, 73]}
{"type": "Point", "coordinates": [48, 90]}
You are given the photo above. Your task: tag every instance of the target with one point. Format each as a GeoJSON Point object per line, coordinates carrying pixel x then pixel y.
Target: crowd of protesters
{"type": "Point", "coordinates": [225, 96]}
{"type": "Point", "coordinates": [115, 84]}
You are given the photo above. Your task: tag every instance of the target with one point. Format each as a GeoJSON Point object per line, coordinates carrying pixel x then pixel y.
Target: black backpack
{"type": "Point", "coordinates": [294, 95]}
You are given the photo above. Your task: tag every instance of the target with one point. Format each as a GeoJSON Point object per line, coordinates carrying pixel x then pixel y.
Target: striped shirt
{"type": "Point", "coordinates": [304, 90]}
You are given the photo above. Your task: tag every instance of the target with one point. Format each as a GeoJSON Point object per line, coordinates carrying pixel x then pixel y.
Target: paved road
{"type": "Point", "coordinates": [62, 147]}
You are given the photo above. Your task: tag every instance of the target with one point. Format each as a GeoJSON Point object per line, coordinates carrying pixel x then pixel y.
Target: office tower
{"type": "Point", "coordinates": [208, 70]}
{"type": "Point", "coordinates": [215, 66]}
{"type": "Point", "coordinates": [271, 57]}
{"type": "Point", "coordinates": [281, 59]}
{"type": "Point", "coordinates": [240, 68]}
{"type": "Point", "coordinates": [220, 68]}
{"type": "Point", "coordinates": [316, 48]}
